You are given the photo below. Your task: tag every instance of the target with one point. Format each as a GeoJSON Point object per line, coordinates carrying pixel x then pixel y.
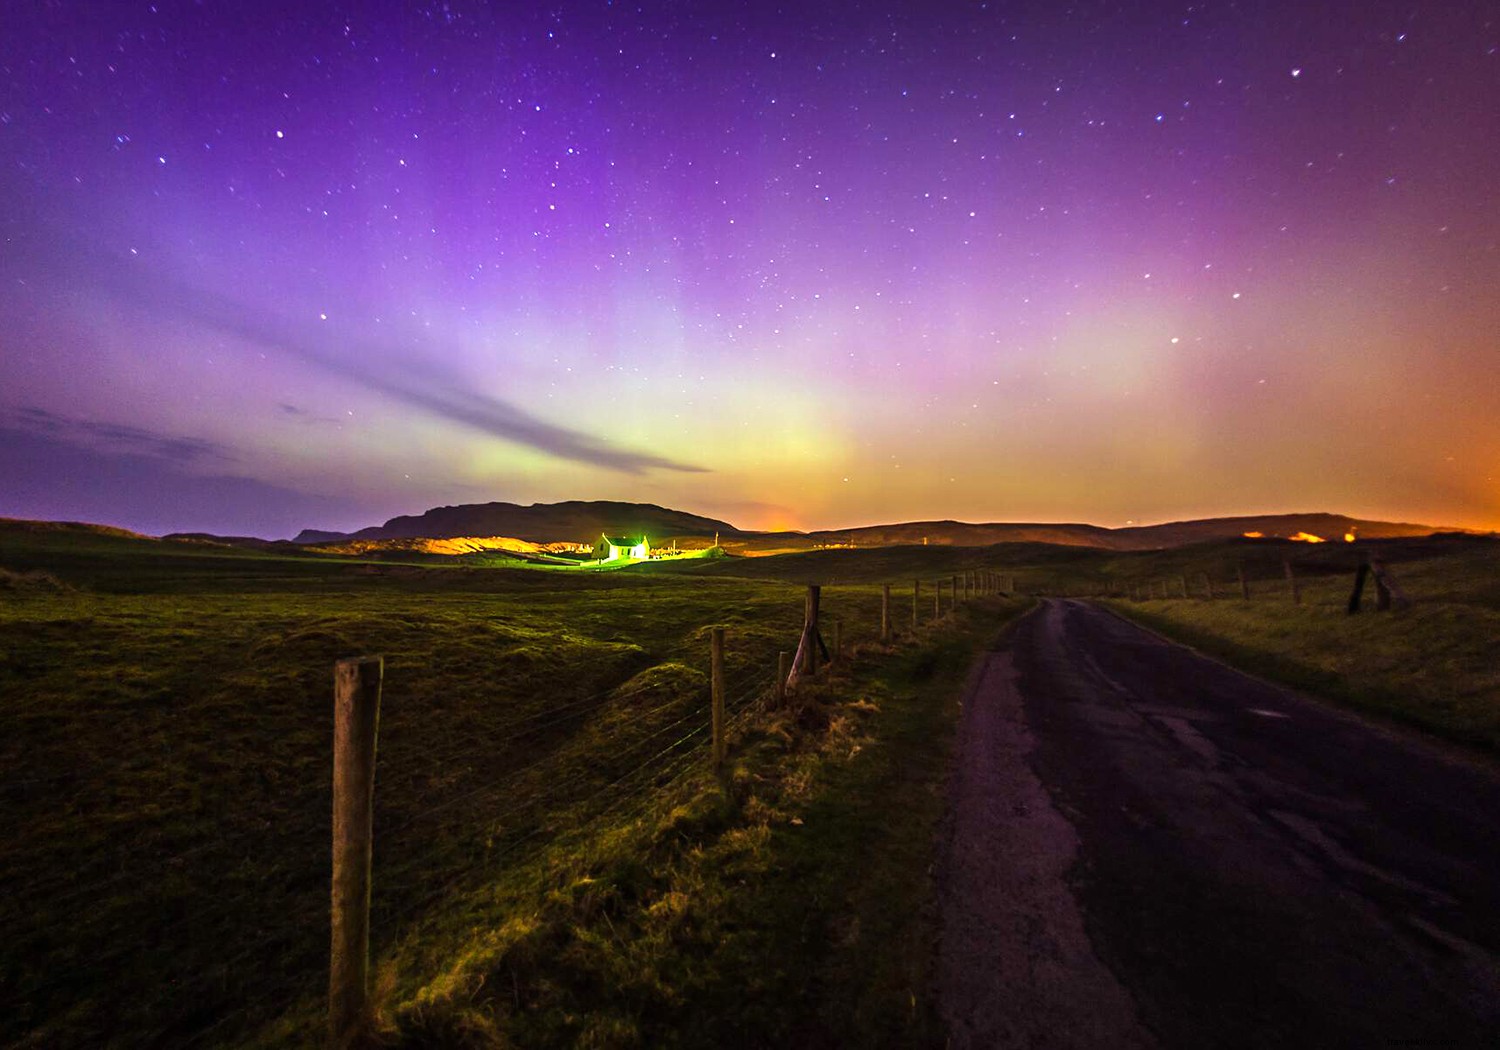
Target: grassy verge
{"type": "Point", "coordinates": [786, 905]}
{"type": "Point", "coordinates": [1431, 666]}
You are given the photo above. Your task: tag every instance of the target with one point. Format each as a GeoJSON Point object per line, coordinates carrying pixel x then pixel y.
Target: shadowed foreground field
{"type": "Point", "coordinates": [166, 739]}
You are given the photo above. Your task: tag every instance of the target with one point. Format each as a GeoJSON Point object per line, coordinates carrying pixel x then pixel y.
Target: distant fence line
{"type": "Point", "coordinates": [1389, 594]}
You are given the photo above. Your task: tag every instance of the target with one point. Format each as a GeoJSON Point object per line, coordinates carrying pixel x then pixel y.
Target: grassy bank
{"type": "Point", "coordinates": [165, 736]}
{"type": "Point", "coordinates": [1431, 666]}
{"type": "Point", "coordinates": [786, 905]}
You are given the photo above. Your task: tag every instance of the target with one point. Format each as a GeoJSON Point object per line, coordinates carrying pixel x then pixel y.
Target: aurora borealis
{"type": "Point", "coordinates": [275, 265]}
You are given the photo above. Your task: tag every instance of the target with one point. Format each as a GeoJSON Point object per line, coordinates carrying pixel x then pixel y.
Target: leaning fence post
{"type": "Point", "coordinates": [885, 614]}
{"type": "Point", "coordinates": [716, 678]}
{"type": "Point", "coordinates": [1244, 583]}
{"type": "Point", "coordinates": [1291, 579]}
{"type": "Point", "coordinates": [356, 722]}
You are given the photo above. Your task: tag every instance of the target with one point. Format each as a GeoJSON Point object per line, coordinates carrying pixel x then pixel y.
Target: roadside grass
{"type": "Point", "coordinates": [165, 736]}
{"type": "Point", "coordinates": [787, 903]}
{"type": "Point", "coordinates": [1431, 666]}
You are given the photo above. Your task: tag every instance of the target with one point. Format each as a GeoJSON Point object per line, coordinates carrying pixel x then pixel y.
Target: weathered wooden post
{"type": "Point", "coordinates": [1208, 586]}
{"type": "Point", "coordinates": [916, 594]}
{"type": "Point", "coordinates": [806, 659]}
{"type": "Point", "coordinates": [1183, 577]}
{"type": "Point", "coordinates": [1291, 581]}
{"type": "Point", "coordinates": [937, 599]}
{"type": "Point", "coordinates": [716, 680]}
{"type": "Point", "coordinates": [1359, 586]}
{"type": "Point", "coordinates": [953, 595]}
{"type": "Point", "coordinates": [783, 668]}
{"type": "Point", "coordinates": [1244, 583]}
{"type": "Point", "coordinates": [814, 593]}
{"type": "Point", "coordinates": [885, 614]}
{"type": "Point", "coordinates": [356, 724]}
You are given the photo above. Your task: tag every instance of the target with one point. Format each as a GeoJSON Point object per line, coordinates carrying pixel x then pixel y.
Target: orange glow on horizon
{"type": "Point", "coordinates": [1254, 535]}
{"type": "Point", "coordinates": [1348, 537]}
{"type": "Point", "coordinates": [1306, 537]}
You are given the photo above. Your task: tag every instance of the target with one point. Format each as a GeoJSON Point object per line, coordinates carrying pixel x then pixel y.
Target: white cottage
{"type": "Point", "coordinates": [624, 547]}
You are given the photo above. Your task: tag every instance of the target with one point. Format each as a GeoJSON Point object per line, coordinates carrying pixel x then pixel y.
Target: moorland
{"type": "Point", "coordinates": [555, 863]}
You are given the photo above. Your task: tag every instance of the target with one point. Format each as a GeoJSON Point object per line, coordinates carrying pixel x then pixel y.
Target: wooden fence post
{"type": "Point", "coordinates": [1291, 580]}
{"type": "Point", "coordinates": [783, 668]}
{"type": "Point", "coordinates": [1359, 586]}
{"type": "Point", "coordinates": [953, 595]}
{"type": "Point", "coordinates": [1244, 583]}
{"type": "Point", "coordinates": [1183, 577]}
{"type": "Point", "coordinates": [806, 659]}
{"type": "Point", "coordinates": [1208, 586]}
{"type": "Point", "coordinates": [356, 724]}
{"type": "Point", "coordinates": [716, 678]}
{"type": "Point", "coordinates": [937, 598]}
{"type": "Point", "coordinates": [885, 614]}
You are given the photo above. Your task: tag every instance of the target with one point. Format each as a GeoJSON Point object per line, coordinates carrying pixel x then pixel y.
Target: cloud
{"type": "Point", "coordinates": [322, 345]}
{"type": "Point", "coordinates": [118, 438]}
{"type": "Point", "coordinates": [47, 473]}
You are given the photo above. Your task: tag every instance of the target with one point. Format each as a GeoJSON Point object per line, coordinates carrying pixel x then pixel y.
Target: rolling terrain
{"type": "Point", "coordinates": [541, 876]}
{"type": "Point", "coordinates": [584, 522]}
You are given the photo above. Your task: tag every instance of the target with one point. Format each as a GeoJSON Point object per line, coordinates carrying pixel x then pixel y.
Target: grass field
{"type": "Point", "coordinates": [1431, 666]}
{"type": "Point", "coordinates": [165, 735]}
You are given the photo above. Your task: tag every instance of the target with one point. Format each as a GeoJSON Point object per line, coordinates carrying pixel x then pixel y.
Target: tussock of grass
{"type": "Point", "coordinates": [35, 580]}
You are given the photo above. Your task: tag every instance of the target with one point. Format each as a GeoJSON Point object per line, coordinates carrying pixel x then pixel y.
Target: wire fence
{"type": "Point", "coordinates": [202, 933]}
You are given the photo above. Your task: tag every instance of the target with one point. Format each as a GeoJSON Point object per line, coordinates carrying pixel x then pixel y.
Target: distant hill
{"type": "Point", "coordinates": [575, 521]}
{"type": "Point", "coordinates": [583, 522]}
{"type": "Point", "coordinates": [1141, 537]}
{"type": "Point", "coordinates": [76, 527]}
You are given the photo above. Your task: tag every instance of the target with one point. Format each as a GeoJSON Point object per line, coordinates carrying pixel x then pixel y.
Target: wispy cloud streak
{"type": "Point", "coordinates": [316, 344]}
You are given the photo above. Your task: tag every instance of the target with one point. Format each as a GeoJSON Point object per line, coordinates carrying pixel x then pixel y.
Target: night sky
{"type": "Point", "coordinates": [267, 266]}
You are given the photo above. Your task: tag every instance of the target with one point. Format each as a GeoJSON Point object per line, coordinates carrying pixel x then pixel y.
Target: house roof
{"type": "Point", "coordinates": [625, 541]}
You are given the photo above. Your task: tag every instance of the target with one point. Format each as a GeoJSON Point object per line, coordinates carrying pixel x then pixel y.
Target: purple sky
{"type": "Point", "coordinates": [275, 265]}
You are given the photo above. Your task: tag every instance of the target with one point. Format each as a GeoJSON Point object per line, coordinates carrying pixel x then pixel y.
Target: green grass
{"type": "Point", "coordinates": [165, 732]}
{"type": "Point", "coordinates": [1431, 666]}
{"type": "Point", "coordinates": [791, 907]}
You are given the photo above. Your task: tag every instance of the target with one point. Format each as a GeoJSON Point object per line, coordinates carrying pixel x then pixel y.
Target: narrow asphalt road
{"type": "Point", "coordinates": [1147, 848]}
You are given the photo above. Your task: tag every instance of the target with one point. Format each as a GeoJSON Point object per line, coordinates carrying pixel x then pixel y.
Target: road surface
{"type": "Point", "coordinates": [1147, 848]}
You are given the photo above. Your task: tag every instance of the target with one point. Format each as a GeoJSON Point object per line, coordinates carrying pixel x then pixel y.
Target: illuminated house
{"type": "Point", "coordinates": [624, 547]}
